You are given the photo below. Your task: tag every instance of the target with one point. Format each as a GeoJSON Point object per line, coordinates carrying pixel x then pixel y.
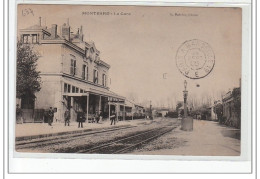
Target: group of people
{"type": "Point", "coordinates": [82, 118]}
{"type": "Point", "coordinates": [98, 116]}
{"type": "Point", "coordinates": [49, 115]}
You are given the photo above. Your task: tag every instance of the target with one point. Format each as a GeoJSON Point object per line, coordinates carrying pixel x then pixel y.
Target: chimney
{"type": "Point", "coordinates": [81, 33]}
{"type": "Point", "coordinates": [40, 21]}
{"type": "Point", "coordinates": [65, 31]}
{"type": "Point", "coordinates": [54, 31]}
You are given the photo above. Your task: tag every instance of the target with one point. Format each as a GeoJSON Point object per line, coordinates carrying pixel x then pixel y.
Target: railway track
{"type": "Point", "coordinates": [128, 143]}
{"type": "Point", "coordinates": [41, 142]}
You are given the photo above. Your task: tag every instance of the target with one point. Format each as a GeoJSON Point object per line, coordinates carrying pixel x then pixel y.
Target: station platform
{"type": "Point", "coordinates": [37, 130]}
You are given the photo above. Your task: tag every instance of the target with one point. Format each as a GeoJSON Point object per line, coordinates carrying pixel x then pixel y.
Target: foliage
{"type": "Point", "coordinates": [193, 113]}
{"type": "Point", "coordinates": [178, 106]}
{"type": "Point", "coordinates": [28, 80]}
{"type": "Point", "coordinates": [218, 109]}
{"type": "Point", "coordinates": [237, 100]}
{"type": "Point", "coordinates": [172, 114]}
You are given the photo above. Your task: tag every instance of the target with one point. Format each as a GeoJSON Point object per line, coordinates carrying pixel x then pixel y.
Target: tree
{"type": "Point", "coordinates": [28, 80]}
{"type": "Point", "coordinates": [205, 112]}
{"type": "Point", "coordinates": [179, 105]}
{"type": "Point", "coordinates": [218, 109]}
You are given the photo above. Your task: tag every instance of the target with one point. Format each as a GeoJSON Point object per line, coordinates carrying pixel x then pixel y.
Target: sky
{"type": "Point", "coordinates": [141, 44]}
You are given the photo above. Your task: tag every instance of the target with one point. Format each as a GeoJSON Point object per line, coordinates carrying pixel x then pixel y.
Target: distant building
{"type": "Point", "coordinates": [73, 74]}
{"type": "Point", "coordinates": [229, 111]}
{"type": "Point", "coordinates": [163, 112]}
{"type": "Point", "coordinates": [134, 110]}
{"type": "Point", "coordinates": [213, 115]}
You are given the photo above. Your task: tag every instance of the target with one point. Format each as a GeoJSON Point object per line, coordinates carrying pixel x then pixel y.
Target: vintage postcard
{"type": "Point", "coordinates": [141, 80]}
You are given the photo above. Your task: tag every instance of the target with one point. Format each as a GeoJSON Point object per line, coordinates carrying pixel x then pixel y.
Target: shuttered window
{"type": "Point", "coordinates": [104, 80]}
{"type": "Point", "coordinates": [73, 67]}
{"type": "Point", "coordinates": [83, 72]}
{"type": "Point", "coordinates": [95, 76]}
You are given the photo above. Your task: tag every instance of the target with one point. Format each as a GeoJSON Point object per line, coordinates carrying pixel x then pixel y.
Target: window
{"type": "Point", "coordinates": [95, 76]}
{"type": "Point", "coordinates": [73, 67]}
{"type": "Point", "coordinates": [26, 39]}
{"type": "Point", "coordinates": [84, 72]}
{"type": "Point", "coordinates": [87, 52]}
{"type": "Point", "coordinates": [73, 89]}
{"type": "Point", "coordinates": [104, 80]}
{"type": "Point", "coordinates": [92, 54]}
{"type": "Point", "coordinates": [68, 88]}
{"type": "Point", "coordinates": [77, 90]}
{"type": "Point", "coordinates": [34, 39]}
{"type": "Point", "coordinates": [65, 87]}
{"type": "Point", "coordinates": [87, 73]}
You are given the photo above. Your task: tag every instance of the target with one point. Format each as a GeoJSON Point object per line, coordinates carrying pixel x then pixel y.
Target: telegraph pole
{"type": "Point", "coordinates": [151, 114]}
{"type": "Point", "coordinates": [187, 122]}
{"type": "Point", "coordinates": [185, 95]}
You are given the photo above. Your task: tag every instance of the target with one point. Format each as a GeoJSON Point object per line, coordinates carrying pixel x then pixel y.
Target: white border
{"type": "Point", "coordinates": [17, 165]}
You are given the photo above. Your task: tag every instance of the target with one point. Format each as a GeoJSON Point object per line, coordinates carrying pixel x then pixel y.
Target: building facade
{"type": "Point", "coordinates": [73, 75]}
{"type": "Point", "coordinates": [229, 114]}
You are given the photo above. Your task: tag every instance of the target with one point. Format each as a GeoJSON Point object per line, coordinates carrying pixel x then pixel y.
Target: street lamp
{"type": "Point", "coordinates": [151, 113]}
{"type": "Point", "coordinates": [185, 84]}
{"type": "Point", "coordinates": [185, 95]}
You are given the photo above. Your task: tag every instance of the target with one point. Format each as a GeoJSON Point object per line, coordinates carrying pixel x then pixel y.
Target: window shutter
{"type": "Point", "coordinates": [83, 74]}
{"type": "Point", "coordinates": [75, 68]}
{"type": "Point", "coordinates": [71, 67]}
{"type": "Point", "coordinates": [97, 76]}
{"type": "Point", "coordinates": [94, 76]}
{"type": "Point", "coordinates": [71, 70]}
{"type": "Point", "coordinates": [87, 72]}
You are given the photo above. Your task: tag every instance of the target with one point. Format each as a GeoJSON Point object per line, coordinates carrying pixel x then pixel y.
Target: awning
{"type": "Point", "coordinates": [88, 88]}
{"type": "Point", "coordinates": [75, 94]}
{"type": "Point", "coordinates": [104, 92]}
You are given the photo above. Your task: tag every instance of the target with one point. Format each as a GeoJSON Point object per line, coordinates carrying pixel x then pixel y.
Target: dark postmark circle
{"type": "Point", "coordinates": [195, 59]}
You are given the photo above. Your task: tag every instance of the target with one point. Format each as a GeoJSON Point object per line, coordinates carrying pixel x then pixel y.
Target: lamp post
{"type": "Point", "coordinates": [151, 113]}
{"type": "Point", "coordinates": [185, 95]}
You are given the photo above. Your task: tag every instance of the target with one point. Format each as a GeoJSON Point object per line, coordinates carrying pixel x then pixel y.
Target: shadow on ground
{"type": "Point", "coordinates": [232, 133]}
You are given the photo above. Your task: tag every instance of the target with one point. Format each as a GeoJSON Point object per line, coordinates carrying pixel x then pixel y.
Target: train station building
{"type": "Point", "coordinates": [73, 75]}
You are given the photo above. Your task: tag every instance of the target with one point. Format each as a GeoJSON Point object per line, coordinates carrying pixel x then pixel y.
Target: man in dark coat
{"type": "Point", "coordinates": [67, 117]}
{"type": "Point", "coordinates": [80, 119]}
{"type": "Point", "coordinates": [113, 118]}
{"type": "Point", "coordinates": [97, 116]}
{"type": "Point", "coordinates": [51, 115]}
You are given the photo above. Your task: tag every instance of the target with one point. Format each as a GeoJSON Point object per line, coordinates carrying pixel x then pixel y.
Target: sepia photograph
{"type": "Point", "coordinates": [139, 80]}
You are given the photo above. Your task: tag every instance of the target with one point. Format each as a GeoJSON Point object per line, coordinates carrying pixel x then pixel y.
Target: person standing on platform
{"type": "Point", "coordinates": [113, 118]}
{"type": "Point", "coordinates": [96, 116]}
{"type": "Point", "coordinates": [100, 116]}
{"type": "Point", "coordinates": [80, 119]}
{"type": "Point", "coordinates": [51, 115]}
{"type": "Point", "coordinates": [67, 117]}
